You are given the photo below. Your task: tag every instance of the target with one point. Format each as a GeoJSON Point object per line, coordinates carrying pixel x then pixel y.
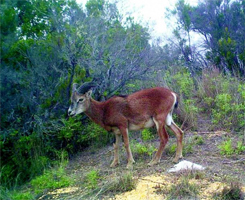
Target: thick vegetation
{"type": "Point", "coordinates": [46, 46]}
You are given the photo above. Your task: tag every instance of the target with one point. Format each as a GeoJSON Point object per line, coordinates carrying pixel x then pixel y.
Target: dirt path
{"type": "Point", "coordinates": [155, 182]}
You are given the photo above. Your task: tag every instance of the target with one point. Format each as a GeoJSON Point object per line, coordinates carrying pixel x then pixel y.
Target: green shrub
{"type": "Point", "coordinates": [74, 135]}
{"type": "Point", "coordinates": [197, 139]}
{"type": "Point", "coordinates": [27, 154]}
{"type": "Point", "coordinates": [229, 111]}
{"type": "Point", "coordinates": [23, 158]}
{"type": "Point", "coordinates": [91, 179]}
{"type": "Point", "coordinates": [17, 195]}
{"type": "Point", "coordinates": [146, 135]}
{"type": "Point", "coordinates": [222, 112]}
{"type": "Point", "coordinates": [97, 136]}
{"type": "Point", "coordinates": [23, 195]}
{"type": "Point", "coordinates": [223, 98]}
{"type": "Point", "coordinates": [70, 134]}
{"type": "Point", "coordinates": [190, 111]}
{"type": "Point", "coordinates": [185, 83]}
{"type": "Point", "coordinates": [240, 148]}
{"type": "Point", "coordinates": [51, 179]}
{"type": "Point", "coordinates": [187, 148]}
{"type": "Point", "coordinates": [208, 104]}
{"type": "Point", "coordinates": [142, 149]}
{"type": "Point", "coordinates": [170, 150]}
{"type": "Point", "coordinates": [226, 148]}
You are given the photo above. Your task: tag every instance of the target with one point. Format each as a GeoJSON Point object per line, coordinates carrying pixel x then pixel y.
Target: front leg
{"type": "Point", "coordinates": [124, 132]}
{"type": "Point", "coordinates": [116, 150]}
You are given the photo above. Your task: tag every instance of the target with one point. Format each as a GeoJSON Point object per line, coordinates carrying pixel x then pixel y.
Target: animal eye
{"type": "Point", "coordinates": [80, 100]}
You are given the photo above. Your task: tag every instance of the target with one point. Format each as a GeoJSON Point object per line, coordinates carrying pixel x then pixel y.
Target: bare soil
{"type": "Point", "coordinates": [155, 182]}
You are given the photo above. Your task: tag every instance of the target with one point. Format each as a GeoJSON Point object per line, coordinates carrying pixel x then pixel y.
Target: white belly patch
{"type": "Point", "coordinates": [147, 124]}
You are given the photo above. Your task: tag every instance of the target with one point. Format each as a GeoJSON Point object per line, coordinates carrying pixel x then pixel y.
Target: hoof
{"type": "Point", "coordinates": [176, 159]}
{"type": "Point", "coordinates": [130, 164]}
{"type": "Point", "coordinates": [114, 164]}
{"type": "Point", "coordinates": [153, 162]}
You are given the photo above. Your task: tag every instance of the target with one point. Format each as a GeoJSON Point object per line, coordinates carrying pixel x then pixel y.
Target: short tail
{"type": "Point", "coordinates": [169, 118]}
{"type": "Point", "coordinates": [177, 101]}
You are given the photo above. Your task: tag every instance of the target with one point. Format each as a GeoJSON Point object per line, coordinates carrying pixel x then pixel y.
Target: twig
{"type": "Point", "coordinates": [235, 161]}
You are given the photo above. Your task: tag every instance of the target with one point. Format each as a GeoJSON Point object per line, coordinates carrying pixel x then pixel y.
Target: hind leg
{"type": "Point", "coordinates": [179, 135]}
{"type": "Point", "coordinates": [163, 135]}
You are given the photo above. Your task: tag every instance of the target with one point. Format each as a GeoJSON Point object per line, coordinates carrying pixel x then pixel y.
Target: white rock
{"type": "Point", "coordinates": [185, 165]}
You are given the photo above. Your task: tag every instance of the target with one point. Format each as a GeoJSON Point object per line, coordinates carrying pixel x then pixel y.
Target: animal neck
{"type": "Point", "coordinates": [95, 112]}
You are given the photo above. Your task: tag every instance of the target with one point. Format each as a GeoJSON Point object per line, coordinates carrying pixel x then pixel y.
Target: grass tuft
{"type": "Point", "coordinates": [124, 183]}
{"type": "Point", "coordinates": [183, 189]}
{"type": "Point", "coordinates": [51, 179]}
{"type": "Point", "coordinates": [120, 184]}
{"type": "Point", "coordinates": [231, 192]}
{"type": "Point", "coordinates": [198, 139]}
{"type": "Point", "coordinates": [92, 179]}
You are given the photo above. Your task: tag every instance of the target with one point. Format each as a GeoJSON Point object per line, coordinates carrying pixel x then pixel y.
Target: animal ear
{"type": "Point", "coordinates": [89, 94]}
{"type": "Point", "coordinates": [74, 87]}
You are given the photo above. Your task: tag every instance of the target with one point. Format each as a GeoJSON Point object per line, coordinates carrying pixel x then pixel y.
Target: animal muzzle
{"type": "Point", "coordinates": [71, 113]}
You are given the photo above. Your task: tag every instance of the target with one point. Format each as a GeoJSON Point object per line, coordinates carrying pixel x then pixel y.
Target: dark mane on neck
{"type": "Point", "coordinates": [122, 95]}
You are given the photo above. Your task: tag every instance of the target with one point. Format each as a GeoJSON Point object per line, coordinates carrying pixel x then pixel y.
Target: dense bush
{"type": "Point", "coordinates": [222, 97]}
{"type": "Point", "coordinates": [27, 155]}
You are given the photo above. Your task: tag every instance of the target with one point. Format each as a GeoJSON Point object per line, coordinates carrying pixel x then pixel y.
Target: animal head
{"type": "Point", "coordinates": [80, 98]}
